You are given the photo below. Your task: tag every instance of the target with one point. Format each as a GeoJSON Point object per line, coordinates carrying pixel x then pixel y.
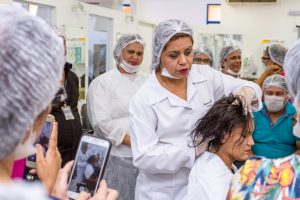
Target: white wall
{"type": "Point", "coordinates": [254, 21]}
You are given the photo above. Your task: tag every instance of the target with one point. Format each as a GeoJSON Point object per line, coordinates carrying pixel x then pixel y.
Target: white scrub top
{"type": "Point", "coordinates": [108, 101]}
{"type": "Point", "coordinates": [160, 127]}
{"type": "Point", "coordinates": [209, 179]}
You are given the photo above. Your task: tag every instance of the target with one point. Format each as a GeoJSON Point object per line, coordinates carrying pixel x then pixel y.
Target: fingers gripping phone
{"type": "Point", "coordinates": [89, 165]}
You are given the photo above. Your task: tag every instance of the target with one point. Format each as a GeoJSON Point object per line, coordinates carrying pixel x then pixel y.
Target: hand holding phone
{"type": "Point", "coordinates": [90, 163]}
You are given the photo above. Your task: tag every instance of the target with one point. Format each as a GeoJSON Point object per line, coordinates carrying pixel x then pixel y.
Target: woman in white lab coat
{"type": "Point", "coordinates": [163, 112]}
{"type": "Point", "coordinates": [227, 129]}
{"type": "Point", "coordinates": [108, 110]}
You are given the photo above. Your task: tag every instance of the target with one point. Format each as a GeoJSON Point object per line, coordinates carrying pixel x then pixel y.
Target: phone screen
{"type": "Point", "coordinates": [89, 165]}
{"type": "Point", "coordinates": [43, 140]}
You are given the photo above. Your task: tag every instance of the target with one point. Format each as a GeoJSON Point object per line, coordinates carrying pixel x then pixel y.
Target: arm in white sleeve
{"type": "Point", "coordinates": [149, 153]}
{"type": "Point", "coordinates": [99, 113]}
{"type": "Point", "coordinates": [224, 84]}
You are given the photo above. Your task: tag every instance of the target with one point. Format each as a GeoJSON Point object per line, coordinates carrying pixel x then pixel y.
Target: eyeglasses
{"type": "Point", "coordinates": [202, 61]}
{"type": "Point", "coordinates": [265, 59]}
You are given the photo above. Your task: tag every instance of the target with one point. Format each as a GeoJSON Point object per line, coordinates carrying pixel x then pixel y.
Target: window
{"type": "Point", "coordinates": [43, 11]}
{"type": "Point", "coordinates": [213, 14]}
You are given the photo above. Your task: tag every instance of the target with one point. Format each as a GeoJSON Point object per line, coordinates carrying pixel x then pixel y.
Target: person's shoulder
{"type": "Point", "coordinates": [209, 164]}
{"type": "Point", "coordinates": [147, 90]}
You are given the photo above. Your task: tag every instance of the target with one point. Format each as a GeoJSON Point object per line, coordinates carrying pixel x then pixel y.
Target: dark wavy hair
{"type": "Point", "coordinates": [226, 114]}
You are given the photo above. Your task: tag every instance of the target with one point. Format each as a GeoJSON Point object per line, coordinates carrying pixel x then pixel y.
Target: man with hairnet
{"type": "Point", "coordinates": [231, 61]}
{"type": "Point", "coordinates": [203, 56]}
{"type": "Point", "coordinates": [108, 101]}
{"type": "Point", "coordinates": [273, 133]}
{"type": "Point", "coordinates": [263, 178]}
{"type": "Point", "coordinates": [273, 59]}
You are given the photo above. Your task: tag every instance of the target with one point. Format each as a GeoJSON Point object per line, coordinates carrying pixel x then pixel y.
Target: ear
{"type": "Point", "coordinates": [226, 137]}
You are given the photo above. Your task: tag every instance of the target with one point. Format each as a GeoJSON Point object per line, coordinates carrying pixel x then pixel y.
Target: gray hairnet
{"type": "Point", "coordinates": [277, 81]}
{"type": "Point", "coordinates": [225, 51]}
{"type": "Point", "coordinates": [291, 69]}
{"type": "Point", "coordinates": [124, 41]}
{"type": "Point", "coordinates": [163, 32]}
{"type": "Point", "coordinates": [277, 53]}
{"type": "Point", "coordinates": [31, 65]}
{"type": "Point", "coordinates": [205, 51]}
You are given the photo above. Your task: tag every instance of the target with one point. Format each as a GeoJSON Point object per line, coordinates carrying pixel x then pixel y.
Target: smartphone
{"type": "Point", "coordinates": [43, 140]}
{"type": "Point", "coordinates": [89, 166]}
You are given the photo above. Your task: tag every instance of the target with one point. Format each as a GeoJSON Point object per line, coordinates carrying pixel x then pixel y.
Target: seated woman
{"type": "Point", "coordinates": [226, 133]}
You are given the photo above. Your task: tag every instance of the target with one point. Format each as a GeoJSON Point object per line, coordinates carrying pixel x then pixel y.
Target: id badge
{"type": "Point", "coordinates": [67, 112]}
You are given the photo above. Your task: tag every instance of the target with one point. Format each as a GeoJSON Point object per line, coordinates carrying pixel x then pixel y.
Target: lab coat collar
{"type": "Point", "coordinates": [158, 93]}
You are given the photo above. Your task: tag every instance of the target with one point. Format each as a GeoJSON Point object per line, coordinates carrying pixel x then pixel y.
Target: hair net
{"type": "Point", "coordinates": [124, 41]}
{"type": "Point", "coordinates": [292, 70]}
{"type": "Point", "coordinates": [275, 80]}
{"type": "Point", "coordinates": [163, 32]}
{"type": "Point", "coordinates": [31, 65]}
{"type": "Point", "coordinates": [277, 53]}
{"type": "Point", "coordinates": [225, 51]}
{"type": "Point", "coordinates": [205, 51]}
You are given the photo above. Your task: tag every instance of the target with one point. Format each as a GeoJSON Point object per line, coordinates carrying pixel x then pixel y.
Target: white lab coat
{"type": "Point", "coordinates": [209, 179]}
{"type": "Point", "coordinates": [160, 127]}
{"type": "Point", "coordinates": [108, 101]}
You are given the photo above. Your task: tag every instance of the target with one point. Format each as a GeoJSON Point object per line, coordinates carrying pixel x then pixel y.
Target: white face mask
{"type": "Point", "coordinates": [27, 148]}
{"type": "Point", "coordinates": [128, 67]}
{"type": "Point", "coordinates": [165, 72]}
{"type": "Point", "coordinates": [274, 103]}
{"type": "Point", "coordinates": [229, 71]}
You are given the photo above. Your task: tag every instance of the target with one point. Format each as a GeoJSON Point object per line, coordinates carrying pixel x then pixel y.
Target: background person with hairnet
{"type": "Point", "coordinates": [263, 178]}
{"type": "Point", "coordinates": [31, 65]}
{"type": "Point", "coordinates": [273, 59]}
{"type": "Point", "coordinates": [165, 109]}
{"type": "Point", "coordinates": [203, 56]}
{"type": "Point", "coordinates": [108, 101]}
{"type": "Point", "coordinates": [273, 133]}
{"type": "Point", "coordinates": [231, 61]}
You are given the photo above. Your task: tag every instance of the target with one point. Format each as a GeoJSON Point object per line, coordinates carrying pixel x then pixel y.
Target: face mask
{"type": "Point", "coordinates": [27, 148]}
{"type": "Point", "coordinates": [165, 72]}
{"type": "Point", "coordinates": [129, 68]}
{"type": "Point", "coordinates": [274, 103]}
{"type": "Point", "coordinates": [229, 71]}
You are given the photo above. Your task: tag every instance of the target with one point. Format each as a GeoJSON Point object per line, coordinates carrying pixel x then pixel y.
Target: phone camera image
{"type": "Point", "coordinates": [86, 172]}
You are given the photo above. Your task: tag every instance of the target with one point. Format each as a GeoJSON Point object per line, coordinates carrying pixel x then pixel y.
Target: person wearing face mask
{"type": "Point", "coordinates": [107, 105]}
{"type": "Point", "coordinates": [273, 133]}
{"type": "Point", "coordinates": [203, 56]}
{"type": "Point", "coordinates": [273, 59]}
{"type": "Point", "coordinates": [264, 178]}
{"type": "Point", "coordinates": [165, 109]}
{"type": "Point", "coordinates": [231, 61]}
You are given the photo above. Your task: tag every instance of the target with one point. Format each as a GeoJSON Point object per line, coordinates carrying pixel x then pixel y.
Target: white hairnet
{"type": "Point", "coordinates": [292, 70]}
{"type": "Point", "coordinates": [277, 81]}
{"type": "Point", "coordinates": [163, 32]}
{"type": "Point", "coordinates": [31, 65]}
{"type": "Point", "coordinates": [225, 51]}
{"type": "Point", "coordinates": [277, 53]}
{"type": "Point", "coordinates": [205, 51]}
{"type": "Point", "coordinates": [124, 41]}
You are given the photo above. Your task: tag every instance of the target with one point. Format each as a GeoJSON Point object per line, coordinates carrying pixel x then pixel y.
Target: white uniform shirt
{"type": "Point", "coordinates": [209, 179]}
{"type": "Point", "coordinates": [108, 101]}
{"type": "Point", "coordinates": [160, 128]}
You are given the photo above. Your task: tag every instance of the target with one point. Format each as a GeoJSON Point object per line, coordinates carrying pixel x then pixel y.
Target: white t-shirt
{"type": "Point", "coordinates": [209, 179]}
{"type": "Point", "coordinates": [18, 190]}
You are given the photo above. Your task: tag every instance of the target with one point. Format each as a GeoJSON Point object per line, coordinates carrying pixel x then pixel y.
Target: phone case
{"type": "Point", "coordinates": [104, 161]}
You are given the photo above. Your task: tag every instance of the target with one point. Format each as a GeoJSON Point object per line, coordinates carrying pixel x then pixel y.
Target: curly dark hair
{"type": "Point", "coordinates": [226, 114]}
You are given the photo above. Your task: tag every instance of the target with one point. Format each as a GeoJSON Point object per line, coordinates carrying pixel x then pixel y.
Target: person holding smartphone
{"type": "Point", "coordinates": [108, 101]}
{"type": "Point", "coordinates": [31, 65]}
{"type": "Point", "coordinates": [166, 107]}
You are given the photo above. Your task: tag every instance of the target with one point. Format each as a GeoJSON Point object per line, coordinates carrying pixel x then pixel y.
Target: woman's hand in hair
{"type": "Point", "coordinates": [48, 166]}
